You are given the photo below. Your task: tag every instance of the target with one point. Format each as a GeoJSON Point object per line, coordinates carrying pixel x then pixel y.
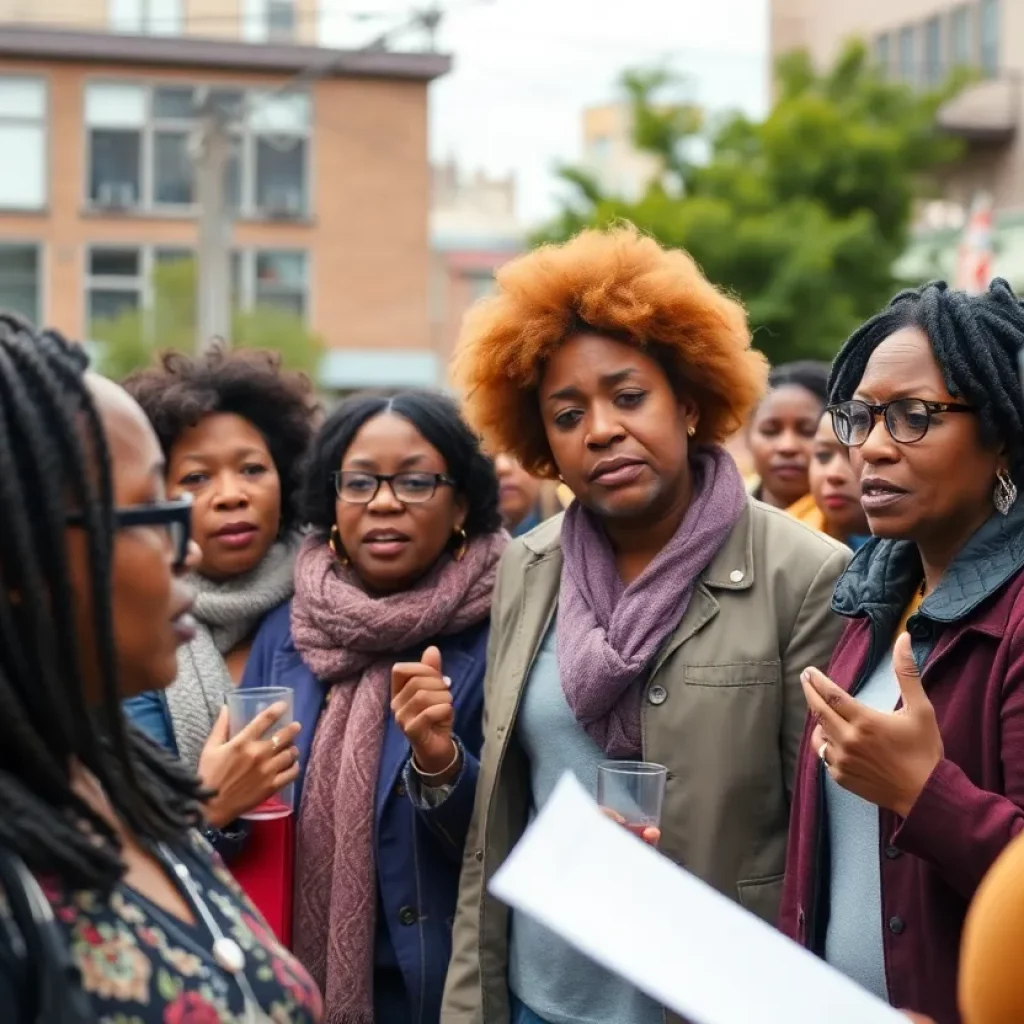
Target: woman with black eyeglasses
{"type": "Point", "coordinates": [912, 772]}
{"type": "Point", "coordinates": [112, 907]}
{"type": "Point", "coordinates": [385, 647]}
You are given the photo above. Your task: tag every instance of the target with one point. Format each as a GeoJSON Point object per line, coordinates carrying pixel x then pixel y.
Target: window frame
{"type": "Point", "coordinates": [903, 34]}
{"type": "Point", "coordinates": [995, 6]}
{"type": "Point", "coordinates": [244, 132]}
{"type": "Point", "coordinates": [250, 289]}
{"type": "Point", "coordinates": [933, 70]}
{"type": "Point", "coordinates": [42, 294]}
{"type": "Point", "coordinates": [882, 53]}
{"type": "Point", "coordinates": [148, 262]}
{"type": "Point", "coordinates": [964, 16]}
{"type": "Point", "coordinates": [43, 124]}
{"type": "Point", "coordinates": [148, 17]}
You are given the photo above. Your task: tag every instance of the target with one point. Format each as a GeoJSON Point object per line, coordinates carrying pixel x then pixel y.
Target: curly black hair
{"type": "Point", "coordinates": [53, 460]}
{"type": "Point", "coordinates": [178, 392]}
{"type": "Point", "coordinates": [976, 340]}
{"type": "Point", "coordinates": [438, 419]}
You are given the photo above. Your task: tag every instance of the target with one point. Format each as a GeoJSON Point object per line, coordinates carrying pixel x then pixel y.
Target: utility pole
{"type": "Point", "coordinates": [211, 150]}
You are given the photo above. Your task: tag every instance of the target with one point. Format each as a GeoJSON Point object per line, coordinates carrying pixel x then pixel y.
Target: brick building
{"type": "Point", "coordinates": [329, 183]}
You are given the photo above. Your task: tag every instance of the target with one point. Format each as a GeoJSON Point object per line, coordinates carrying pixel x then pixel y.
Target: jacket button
{"type": "Point", "coordinates": [657, 695]}
{"type": "Point", "coordinates": [896, 925]}
{"type": "Point", "coordinates": [919, 630]}
{"type": "Point", "coordinates": [479, 855]}
{"type": "Point", "coordinates": [892, 852]}
{"type": "Point", "coordinates": [400, 789]}
{"type": "Point", "coordinates": [408, 916]}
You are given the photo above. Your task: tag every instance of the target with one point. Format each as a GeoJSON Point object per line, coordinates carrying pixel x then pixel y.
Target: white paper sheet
{"type": "Point", "coordinates": [683, 943]}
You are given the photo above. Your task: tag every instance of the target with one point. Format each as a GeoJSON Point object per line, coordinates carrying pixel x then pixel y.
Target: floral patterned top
{"type": "Point", "coordinates": [142, 965]}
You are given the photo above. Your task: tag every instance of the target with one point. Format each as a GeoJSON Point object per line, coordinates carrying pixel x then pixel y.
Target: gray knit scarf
{"type": "Point", "coordinates": [227, 613]}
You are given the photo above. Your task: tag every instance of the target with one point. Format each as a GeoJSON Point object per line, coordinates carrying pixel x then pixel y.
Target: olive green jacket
{"type": "Point", "coordinates": [723, 710]}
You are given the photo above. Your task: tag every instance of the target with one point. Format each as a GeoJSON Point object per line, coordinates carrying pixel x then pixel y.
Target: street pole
{"type": "Point", "coordinates": [212, 149]}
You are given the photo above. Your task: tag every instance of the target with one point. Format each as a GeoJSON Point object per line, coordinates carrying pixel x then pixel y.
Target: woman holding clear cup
{"type": "Point", "coordinates": [234, 429]}
{"type": "Point", "coordinates": [665, 618]}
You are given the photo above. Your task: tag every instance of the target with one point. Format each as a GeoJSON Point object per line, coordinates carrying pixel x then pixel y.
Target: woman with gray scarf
{"type": "Point", "coordinates": [235, 430]}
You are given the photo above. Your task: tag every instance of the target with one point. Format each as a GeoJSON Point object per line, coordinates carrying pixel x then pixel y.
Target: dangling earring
{"type": "Point", "coordinates": [1005, 493]}
{"type": "Point", "coordinates": [691, 431]}
{"type": "Point", "coordinates": [460, 551]}
{"type": "Point", "coordinates": [334, 543]}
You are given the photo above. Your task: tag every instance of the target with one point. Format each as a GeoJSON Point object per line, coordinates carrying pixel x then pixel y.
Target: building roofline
{"type": "Point", "coordinates": [31, 42]}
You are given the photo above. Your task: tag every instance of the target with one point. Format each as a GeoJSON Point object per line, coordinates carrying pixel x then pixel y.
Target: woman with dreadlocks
{"type": "Point", "coordinates": [113, 907]}
{"type": "Point", "coordinates": [897, 816]}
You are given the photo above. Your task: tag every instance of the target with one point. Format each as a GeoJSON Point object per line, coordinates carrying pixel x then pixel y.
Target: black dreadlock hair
{"type": "Point", "coordinates": [54, 460]}
{"type": "Point", "coordinates": [976, 340]}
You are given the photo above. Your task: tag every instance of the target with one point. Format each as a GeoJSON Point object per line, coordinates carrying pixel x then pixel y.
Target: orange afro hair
{"type": "Point", "coordinates": [619, 283]}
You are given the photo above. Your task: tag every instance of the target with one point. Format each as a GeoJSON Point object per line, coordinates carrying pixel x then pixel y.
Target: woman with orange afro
{"type": "Point", "coordinates": [666, 617]}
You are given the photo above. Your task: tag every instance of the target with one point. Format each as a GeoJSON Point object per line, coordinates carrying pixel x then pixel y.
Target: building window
{"type": "Point", "coordinates": [114, 284]}
{"type": "Point", "coordinates": [115, 116]}
{"type": "Point", "coordinates": [19, 280]}
{"type": "Point", "coordinates": [22, 132]}
{"type": "Point", "coordinates": [140, 154]}
{"type": "Point", "coordinates": [933, 69]}
{"type": "Point", "coordinates": [961, 37]}
{"type": "Point", "coordinates": [265, 20]}
{"type": "Point", "coordinates": [281, 19]}
{"type": "Point", "coordinates": [988, 19]}
{"type": "Point", "coordinates": [907, 69]}
{"type": "Point", "coordinates": [279, 127]}
{"type": "Point", "coordinates": [883, 53]}
{"type": "Point", "coordinates": [173, 123]}
{"type": "Point", "coordinates": [147, 17]}
{"type": "Point", "coordinates": [281, 281]}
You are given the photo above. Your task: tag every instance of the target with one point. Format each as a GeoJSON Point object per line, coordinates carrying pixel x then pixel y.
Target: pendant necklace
{"type": "Point", "coordinates": [227, 953]}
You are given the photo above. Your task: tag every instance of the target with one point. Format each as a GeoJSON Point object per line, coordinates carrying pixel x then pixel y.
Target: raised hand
{"type": "Point", "coordinates": [885, 758]}
{"type": "Point", "coordinates": [421, 701]}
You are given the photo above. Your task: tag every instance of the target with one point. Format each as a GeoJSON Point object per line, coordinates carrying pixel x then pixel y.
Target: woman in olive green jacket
{"type": "Point", "coordinates": [667, 615]}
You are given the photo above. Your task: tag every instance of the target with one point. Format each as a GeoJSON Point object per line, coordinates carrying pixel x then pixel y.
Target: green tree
{"type": "Point", "coordinates": [130, 340]}
{"type": "Point", "coordinates": [802, 215]}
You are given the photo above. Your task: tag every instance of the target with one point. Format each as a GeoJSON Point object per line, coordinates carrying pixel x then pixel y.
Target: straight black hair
{"type": "Point", "coordinates": [437, 418]}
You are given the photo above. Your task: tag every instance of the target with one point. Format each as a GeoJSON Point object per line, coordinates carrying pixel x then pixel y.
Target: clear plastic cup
{"type": "Point", "coordinates": [633, 792]}
{"type": "Point", "coordinates": [243, 707]}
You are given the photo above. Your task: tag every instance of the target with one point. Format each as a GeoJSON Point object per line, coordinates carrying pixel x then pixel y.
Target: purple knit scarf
{"type": "Point", "coordinates": [351, 640]}
{"type": "Point", "coordinates": [608, 633]}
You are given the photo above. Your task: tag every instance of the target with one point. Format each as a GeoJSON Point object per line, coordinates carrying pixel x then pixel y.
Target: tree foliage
{"type": "Point", "coordinates": [802, 215]}
{"type": "Point", "coordinates": [130, 340]}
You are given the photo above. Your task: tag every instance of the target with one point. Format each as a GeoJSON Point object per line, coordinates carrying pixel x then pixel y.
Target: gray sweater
{"type": "Point", "coordinates": [559, 984]}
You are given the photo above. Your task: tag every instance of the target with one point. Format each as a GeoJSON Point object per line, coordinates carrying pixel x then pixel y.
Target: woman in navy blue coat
{"type": "Point", "coordinates": [385, 645]}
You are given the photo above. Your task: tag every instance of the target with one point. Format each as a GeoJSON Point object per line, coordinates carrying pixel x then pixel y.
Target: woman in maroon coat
{"type": "Point", "coordinates": [912, 776]}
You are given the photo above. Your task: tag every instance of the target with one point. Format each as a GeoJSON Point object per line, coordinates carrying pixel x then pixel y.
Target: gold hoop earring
{"type": "Point", "coordinates": [334, 543]}
{"type": "Point", "coordinates": [691, 431]}
{"type": "Point", "coordinates": [460, 551]}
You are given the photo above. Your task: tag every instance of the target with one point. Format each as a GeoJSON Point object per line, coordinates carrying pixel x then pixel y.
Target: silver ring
{"type": "Point", "coordinates": [822, 751]}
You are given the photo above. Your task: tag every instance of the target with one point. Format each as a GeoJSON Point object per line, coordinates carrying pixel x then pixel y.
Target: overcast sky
{"type": "Point", "coordinates": [525, 69]}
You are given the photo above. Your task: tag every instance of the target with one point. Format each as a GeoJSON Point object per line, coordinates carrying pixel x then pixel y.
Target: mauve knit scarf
{"type": "Point", "coordinates": [351, 640]}
{"type": "Point", "coordinates": [608, 633]}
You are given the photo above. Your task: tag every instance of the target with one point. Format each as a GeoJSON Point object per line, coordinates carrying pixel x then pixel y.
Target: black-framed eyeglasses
{"type": "Point", "coordinates": [906, 419]}
{"type": "Point", "coordinates": [173, 516]}
{"type": "Point", "coordinates": [360, 488]}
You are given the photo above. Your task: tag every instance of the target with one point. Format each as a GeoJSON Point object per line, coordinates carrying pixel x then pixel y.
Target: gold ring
{"type": "Point", "coordinates": [275, 742]}
{"type": "Point", "coordinates": [822, 751]}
